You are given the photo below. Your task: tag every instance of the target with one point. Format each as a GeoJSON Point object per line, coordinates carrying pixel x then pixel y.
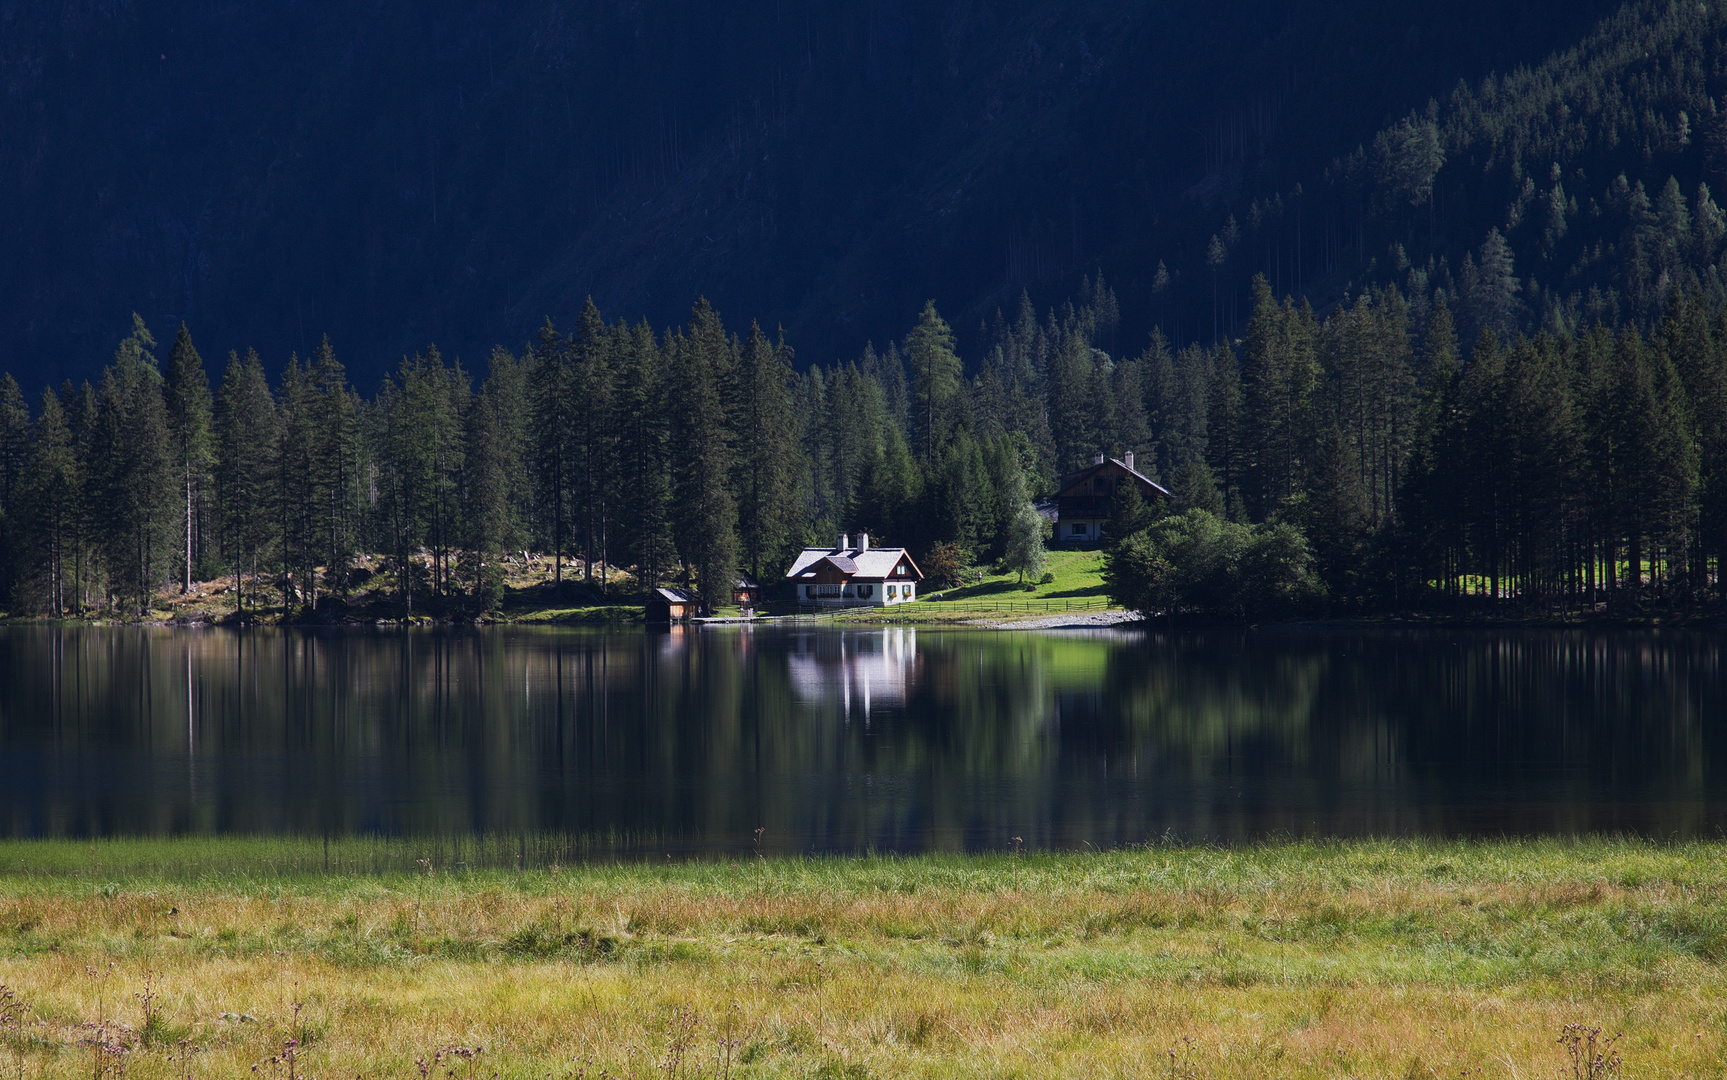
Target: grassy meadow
{"type": "Point", "coordinates": [205, 958]}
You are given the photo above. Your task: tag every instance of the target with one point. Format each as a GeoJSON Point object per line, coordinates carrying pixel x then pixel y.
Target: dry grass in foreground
{"type": "Point", "coordinates": [1358, 960]}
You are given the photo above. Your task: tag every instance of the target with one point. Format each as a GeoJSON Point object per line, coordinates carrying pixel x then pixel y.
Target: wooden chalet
{"type": "Point", "coordinates": [1083, 499]}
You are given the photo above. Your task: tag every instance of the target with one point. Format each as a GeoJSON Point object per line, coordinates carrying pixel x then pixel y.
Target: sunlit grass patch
{"type": "Point", "coordinates": [1280, 959]}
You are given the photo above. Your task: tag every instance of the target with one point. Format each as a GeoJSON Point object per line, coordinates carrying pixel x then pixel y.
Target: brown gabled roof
{"type": "Point", "coordinates": [1069, 479]}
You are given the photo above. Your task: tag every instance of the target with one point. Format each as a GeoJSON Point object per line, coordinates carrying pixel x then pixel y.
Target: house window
{"type": "Point", "coordinates": [866, 591]}
{"type": "Point", "coordinates": [900, 569]}
{"type": "Point", "coordinates": [1078, 530]}
{"type": "Point", "coordinates": [827, 590]}
{"type": "Point", "coordinates": [891, 592]}
{"type": "Point", "coordinates": [907, 590]}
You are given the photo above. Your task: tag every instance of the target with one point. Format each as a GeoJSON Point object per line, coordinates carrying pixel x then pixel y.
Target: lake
{"type": "Point", "coordinates": [836, 740]}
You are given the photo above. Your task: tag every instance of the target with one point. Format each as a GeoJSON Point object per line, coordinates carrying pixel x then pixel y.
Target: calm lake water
{"type": "Point", "coordinates": [898, 739]}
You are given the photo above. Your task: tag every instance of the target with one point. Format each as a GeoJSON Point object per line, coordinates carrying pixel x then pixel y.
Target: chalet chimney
{"type": "Point", "coordinates": [863, 541]}
{"type": "Point", "coordinates": [1097, 458]}
{"type": "Point", "coordinates": [845, 541]}
{"type": "Point", "coordinates": [1127, 459]}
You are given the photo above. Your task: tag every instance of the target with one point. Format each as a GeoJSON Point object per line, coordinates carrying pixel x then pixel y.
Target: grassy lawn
{"type": "Point", "coordinates": [1078, 575]}
{"type": "Point", "coordinates": [610, 613]}
{"type": "Point", "coordinates": [1349, 960]}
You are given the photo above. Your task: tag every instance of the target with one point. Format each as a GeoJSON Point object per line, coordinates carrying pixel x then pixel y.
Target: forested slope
{"type": "Point", "coordinates": [1547, 197]}
{"type": "Point", "coordinates": [399, 174]}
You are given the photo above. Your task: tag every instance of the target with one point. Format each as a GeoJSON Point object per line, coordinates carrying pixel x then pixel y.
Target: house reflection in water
{"type": "Point", "coordinates": [858, 672]}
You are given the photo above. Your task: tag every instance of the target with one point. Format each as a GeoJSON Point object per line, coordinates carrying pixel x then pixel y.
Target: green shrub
{"type": "Point", "coordinates": [1196, 562]}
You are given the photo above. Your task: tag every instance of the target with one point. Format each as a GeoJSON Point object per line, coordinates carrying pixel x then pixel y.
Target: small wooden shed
{"type": "Point", "coordinates": [747, 591]}
{"type": "Point", "coordinates": [671, 605]}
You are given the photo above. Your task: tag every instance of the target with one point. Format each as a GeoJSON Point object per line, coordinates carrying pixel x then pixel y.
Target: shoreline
{"type": "Point", "coordinates": [935, 615]}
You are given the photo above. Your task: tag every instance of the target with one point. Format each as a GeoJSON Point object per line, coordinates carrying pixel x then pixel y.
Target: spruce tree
{"type": "Point", "coordinates": [295, 489]}
{"type": "Point", "coordinates": [552, 392]}
{"type": "Point", "coordinates": [190, 408]}
{"type": "Point", "coordinates": [936, 375]}
{"type": "Point", "coordinates": [704, 509]}
{"type": "Point", "coordinates": [335, 468]}
{"type": "Point", "coordinates": [768, 453]}
{"type": "Point", "coordinates": [644, 483]}
{"type": "Point", "coordinates": [135, 472]}
{"type": "Point", "coordinates": [1280, 375]}
{"type": "Point", "coordinates": [488, 526]}
{"type": "Point", "coordinates": [592, 436]}
{"type": "Point", "coordinates": [14, 463]}
{"type": "Point", "coordinates": [246, 437]}
{"type": "Point", "coordinates": [52, 490]}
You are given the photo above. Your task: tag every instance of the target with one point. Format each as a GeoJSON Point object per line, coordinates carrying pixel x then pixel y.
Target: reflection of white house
{"type": "Point", "coordinates": [855, 671]}
{"type": "Point", "coordinates": [847, 576]}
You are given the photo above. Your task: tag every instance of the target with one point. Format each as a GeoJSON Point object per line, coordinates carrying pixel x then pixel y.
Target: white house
{"type": "Point", "coordinates": [861, 576]}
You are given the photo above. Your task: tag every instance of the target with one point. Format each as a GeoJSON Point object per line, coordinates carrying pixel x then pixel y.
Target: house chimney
{"type": "Point", "coordinates": [845, 541]}
{"type": "Point", "coordinates": [863, 541]}
{"type": "Point", "coordinates": [1127, 459]}
{"type": "Point", "coordinates": [1097, 458]}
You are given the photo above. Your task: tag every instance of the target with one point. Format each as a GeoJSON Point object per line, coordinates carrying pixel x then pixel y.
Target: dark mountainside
{"type": "Point", "coordinates": [396, 174]}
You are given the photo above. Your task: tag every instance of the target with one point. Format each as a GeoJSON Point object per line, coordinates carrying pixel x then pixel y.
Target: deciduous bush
{"type": "Point", "coordinates": [1196, 562]}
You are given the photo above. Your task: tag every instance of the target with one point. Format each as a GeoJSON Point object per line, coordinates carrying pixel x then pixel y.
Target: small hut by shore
{"type": "Point", "coordinates": [671, 605]}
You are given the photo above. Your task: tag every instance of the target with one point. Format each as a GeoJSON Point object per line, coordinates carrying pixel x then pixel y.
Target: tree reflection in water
{"type": "Point", "coordinates": [896, 739]}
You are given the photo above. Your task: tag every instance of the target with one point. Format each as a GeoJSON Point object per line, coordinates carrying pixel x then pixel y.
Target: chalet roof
{"type": "Point", "coordinates": [747, 582]}
{"type": "Point", "coordinates": [1072, 478]}
{"type": "Point", "coordinates": [674, 596]}
{"type": "Point", "coordinates": [874, 562]}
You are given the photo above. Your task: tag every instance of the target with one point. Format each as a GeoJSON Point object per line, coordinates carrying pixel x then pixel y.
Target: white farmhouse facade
{"type": "Point", "coordinates": [848, 575]}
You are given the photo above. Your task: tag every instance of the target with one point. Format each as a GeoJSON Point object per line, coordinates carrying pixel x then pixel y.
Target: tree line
{"type": "Point", "coordinates": [1544, 474]}
{"type": "Point", "coordinates": [688, 455]}
{"type": "Point", "coordinates": [1375, 462]}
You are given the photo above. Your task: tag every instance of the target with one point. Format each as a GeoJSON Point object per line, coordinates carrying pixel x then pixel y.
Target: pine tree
{"type": "Point", "coordinates": [1229, 444]}
{"type": "Point", "coordinates": [423, 462]}
{"type": "Point", "coordinates": [552, 392]}
{"type": "Point", "coordinates": [1490, 289]}
{"type": "Point", "coordinates": [768, 454]}
{"type": "Point", "coordinates": [14, 462]}
{"type": "Point", "coordinates": [53, 493]}
{"type": "Point", "coordinates": [335, 473]}
{"type": "Point", "coordinates": [592, 438]}
{"type": "Point", "coordinates": [246, 437]}
{"type": "Point", "coordinates": [135, 471]}
{"type": "Point", "coordinates": [1280, 374]}
{"type": "Point", "coordinates": [295, 490]}
{"type": "Point", "coordinates": [189, 427]}
{"type": "Point", "coordinates": [704, 510]}
{"type": "Point", "coordinates": [492, 455]}
{"type": "Point", "coordinates": [1074, 403]}
{"type": "Point", "coordinates": [87, 569]}
{"type": "Point", "coordinates": [644, 491]}
{"type": "Point", "coordinates": [936, 374]}
{"type": "Point", "coordinates": [1132, 429]}
{"type": "Point", "coordinates": [1433, 487]}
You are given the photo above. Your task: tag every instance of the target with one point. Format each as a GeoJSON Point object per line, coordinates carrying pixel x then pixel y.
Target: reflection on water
{"type": "Point", "coordinates": [897, 739]}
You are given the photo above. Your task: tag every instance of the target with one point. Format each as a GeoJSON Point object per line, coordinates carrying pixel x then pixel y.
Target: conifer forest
{"type": "Point", "coordinates": [1532, 474]}
{"type": "Point", "coordinates": [1473, 361]}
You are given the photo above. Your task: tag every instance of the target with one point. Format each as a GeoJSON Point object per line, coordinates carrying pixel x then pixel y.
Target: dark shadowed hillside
{"type": "Point", "coordinates": [397, 173]}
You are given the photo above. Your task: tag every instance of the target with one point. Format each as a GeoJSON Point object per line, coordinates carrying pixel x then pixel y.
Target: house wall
{"type": "Point", "coordinates": [1081, 531]}
{"type": "Point", "coordinates": [872, 593]}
